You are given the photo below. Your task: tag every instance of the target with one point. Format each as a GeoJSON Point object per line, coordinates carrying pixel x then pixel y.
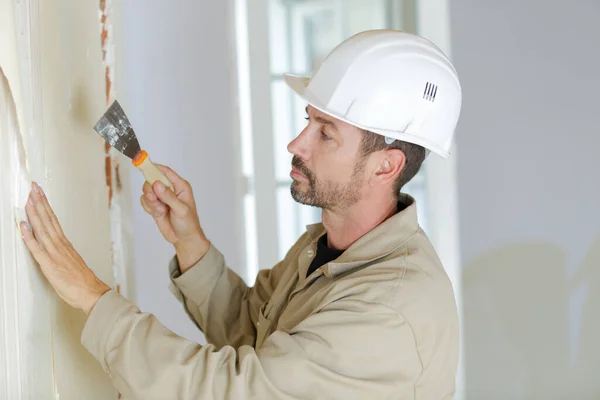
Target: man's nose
{"type": "Point", "coordinates": [300, 146]}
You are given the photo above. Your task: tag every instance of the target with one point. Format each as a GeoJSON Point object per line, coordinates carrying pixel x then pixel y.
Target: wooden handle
{"type": "Point", "coordinates": [152, 173]}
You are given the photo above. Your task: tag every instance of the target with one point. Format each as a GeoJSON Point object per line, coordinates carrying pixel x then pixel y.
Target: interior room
{"type": "Point", "coordinates": [508, 212]}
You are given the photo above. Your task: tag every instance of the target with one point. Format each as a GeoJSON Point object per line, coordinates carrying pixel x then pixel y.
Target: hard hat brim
{"type": "Point", "coordinates": [299, 84]}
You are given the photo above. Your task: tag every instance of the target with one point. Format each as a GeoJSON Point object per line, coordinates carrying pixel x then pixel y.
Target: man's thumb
{"type": "Point", "coordinates": [167, 196]}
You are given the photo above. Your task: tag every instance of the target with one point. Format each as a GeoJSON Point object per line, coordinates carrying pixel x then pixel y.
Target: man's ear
{"type": "Point", "coordinates": [391, 165]}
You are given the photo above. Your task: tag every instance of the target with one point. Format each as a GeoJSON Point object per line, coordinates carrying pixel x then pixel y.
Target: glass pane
{"type": "Point", "coordinates": [282, 132]}
{"type": "Point", "coordinates": [299, 121]}
{"type": "Point", "coordinates": [363, 15]}
{"type": "Point", "coordinates": [307, 216]}
{"type": "Point", "coordinates": [287, 219]}
{"type": "Point", "coordinates": [289, 113]}
{"type": "Point", "coordinates": [292, 219]}
{"type": "Point", "coordinates": [315, 29]}
{"type": "Point", "coordinates": [418, 190]}
{"type": "Point", "coordinates": [279, 53]}
{"type": "Point", "coordinates": [251, 244]}
{"type": "Point", "coordinates": [242, 53]}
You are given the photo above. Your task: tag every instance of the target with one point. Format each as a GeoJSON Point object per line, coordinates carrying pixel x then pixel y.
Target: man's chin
{"type": "Point", "coordinates": [301, 193]}
{"type": "Point", "coordinates": [299, 187]}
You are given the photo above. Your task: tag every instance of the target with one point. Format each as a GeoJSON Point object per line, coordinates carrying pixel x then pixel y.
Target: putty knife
{"type": "Point", "coordinates": [115, 128]}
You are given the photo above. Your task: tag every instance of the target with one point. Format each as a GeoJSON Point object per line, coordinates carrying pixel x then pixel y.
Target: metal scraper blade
{"type": "Point", "coordinates": [115, 128]}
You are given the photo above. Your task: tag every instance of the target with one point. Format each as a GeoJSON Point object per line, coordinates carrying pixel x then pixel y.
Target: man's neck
{"type": "Point", "coordinates": [345, 228]}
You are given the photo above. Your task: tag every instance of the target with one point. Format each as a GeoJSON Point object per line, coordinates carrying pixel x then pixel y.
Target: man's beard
{"type": "Point", "coordinates": [327, 195]}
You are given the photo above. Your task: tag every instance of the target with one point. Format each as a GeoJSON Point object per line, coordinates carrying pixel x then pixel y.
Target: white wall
{"type": "Point", "coordinates": [52, 84]}
{"type": "Point", "coordinates": [177, 85]}
{"type": "Point", "coordinates": [529, 195]}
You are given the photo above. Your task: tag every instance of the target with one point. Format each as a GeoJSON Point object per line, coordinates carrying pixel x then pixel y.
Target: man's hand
{"type": "Point", "coordinates": [64, 268]}
{"type": "Point", "coordinates": [176, 217]}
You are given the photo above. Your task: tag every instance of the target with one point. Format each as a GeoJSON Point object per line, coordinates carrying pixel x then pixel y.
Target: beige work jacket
{"type": "Point", "coordinates": [379, 322]}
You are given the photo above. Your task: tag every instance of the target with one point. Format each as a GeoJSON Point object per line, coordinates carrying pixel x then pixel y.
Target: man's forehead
{"type": "Point", "coordinates": [338, 125]}
{"type": "Point", "coordinates": [312, 110]}
{"type": "Point", "coordinates": [322, 117]}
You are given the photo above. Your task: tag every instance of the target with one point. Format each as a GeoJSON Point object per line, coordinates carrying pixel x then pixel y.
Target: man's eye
{"type": "Point", "coordinates": [325, 136]}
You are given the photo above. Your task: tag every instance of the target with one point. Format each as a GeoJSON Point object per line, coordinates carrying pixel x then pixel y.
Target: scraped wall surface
{"type": "Point", "coordinates": [529, 195]}
{"type": "Point", "coordinates": [51, 93]}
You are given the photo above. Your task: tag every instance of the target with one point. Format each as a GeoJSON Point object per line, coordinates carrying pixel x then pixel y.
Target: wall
{"type": "Point", "coordinates": [51, 93]}
{"type": "Point", "coordinates": [177, 85]}
{"type": "Point", "coordinates": [529, 196]}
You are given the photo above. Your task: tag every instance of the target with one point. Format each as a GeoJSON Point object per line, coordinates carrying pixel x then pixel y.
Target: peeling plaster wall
{"type": "Point", "coordinates": [117, 166]}
{"type": "Point", "coordinates": [52, 90]}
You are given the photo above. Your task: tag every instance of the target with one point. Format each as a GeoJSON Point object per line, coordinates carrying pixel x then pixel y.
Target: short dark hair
{"type": "Point", "coordinates": [415, 155]}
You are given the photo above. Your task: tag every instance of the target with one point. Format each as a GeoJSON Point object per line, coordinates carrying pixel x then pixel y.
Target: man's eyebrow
{"type": "Point", "coordinates": [324, 121]}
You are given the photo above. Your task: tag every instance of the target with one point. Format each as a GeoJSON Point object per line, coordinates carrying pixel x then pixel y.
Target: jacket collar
{"type": "Point", "coordinates": [381, 241]}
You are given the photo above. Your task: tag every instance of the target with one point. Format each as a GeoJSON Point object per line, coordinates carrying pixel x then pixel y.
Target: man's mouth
{"type": "Point", "coordinates": [295, 174]}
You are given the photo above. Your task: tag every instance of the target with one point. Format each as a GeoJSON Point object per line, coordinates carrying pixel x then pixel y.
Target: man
{"type": "Point", "coordinates": [360, 307]}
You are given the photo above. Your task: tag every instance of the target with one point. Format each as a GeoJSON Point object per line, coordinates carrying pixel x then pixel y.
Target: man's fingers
{"type": "Point", "coordinates": [155, 208]}
{"type": "Point", "coordinates": [167, 196]}
{"type": "Point", "coordinates": [179, 184]}
{"type": "Point", "coordinates": [41, 210]}
{"type": "Point", "coordinates": [171, 175]}
{"type": "Point", "coordinates": [33, 245]}
{"type": "Point", "coordinates": [50, 212]}
{"type": "Point", "coordinates": [161, 219]}
{"type": "Point", "coordinates": [151, 199]}
{"type": "Point", "coordinates": [38, 227]}
{"type": "Point", "coordinates": [145, 205]}
{"type": "Point", "coordinates": [147, 188]}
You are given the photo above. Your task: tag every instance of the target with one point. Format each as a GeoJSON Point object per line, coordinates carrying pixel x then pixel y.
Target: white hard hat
{"type": "Point", "coordinates": [391, 83]}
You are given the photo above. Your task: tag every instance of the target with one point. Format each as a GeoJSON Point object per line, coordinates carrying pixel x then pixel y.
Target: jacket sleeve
{"type": "Point", "coordinates": [219, 301]}
{"type": "Point", "coordinates": [348, 350]}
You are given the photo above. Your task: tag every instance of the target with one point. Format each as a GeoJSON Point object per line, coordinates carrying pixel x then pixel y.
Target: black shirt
{"type": "Point", "coordinates": [324, 255]}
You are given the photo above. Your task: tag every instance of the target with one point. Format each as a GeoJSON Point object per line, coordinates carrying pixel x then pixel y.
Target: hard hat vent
{"type": "Point", "coordinates": [430, 92]}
